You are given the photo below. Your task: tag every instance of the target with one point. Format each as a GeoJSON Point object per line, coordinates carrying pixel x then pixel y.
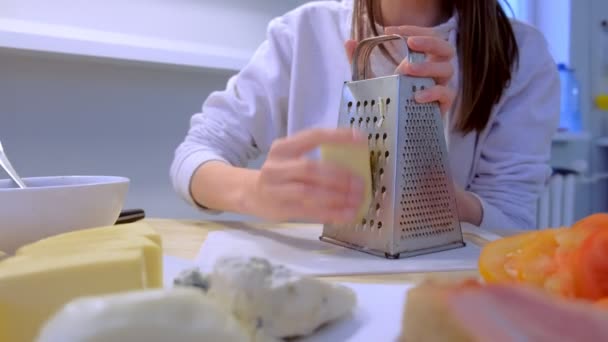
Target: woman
{"type": "Point", "coordinates": [497, 86]}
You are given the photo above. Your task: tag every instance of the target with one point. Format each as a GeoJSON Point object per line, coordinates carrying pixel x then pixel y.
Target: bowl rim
{"type": "Point", "coordinates": [89, 181]}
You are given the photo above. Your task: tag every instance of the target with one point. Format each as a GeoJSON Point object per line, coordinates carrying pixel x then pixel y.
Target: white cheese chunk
{"type": "Point", "coordinates": [176, 315]}
{"type": "Point", "coordinates": [271, 300]}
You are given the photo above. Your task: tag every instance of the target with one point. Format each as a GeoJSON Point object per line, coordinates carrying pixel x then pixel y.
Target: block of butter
{"type": "Point", "coordinates": [153, 254]}
{"type": "Point", "coordinates": [355, 158]}
{"type": "Point", "coordinates": [113, 232]}
{"type": "Point", "coordinates": [32, 288]}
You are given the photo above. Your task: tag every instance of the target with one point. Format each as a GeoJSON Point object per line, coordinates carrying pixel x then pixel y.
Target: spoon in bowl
{"type": "Point", "coordinates": [6, 165]}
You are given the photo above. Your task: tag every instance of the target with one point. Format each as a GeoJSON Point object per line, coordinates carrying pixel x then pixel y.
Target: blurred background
{"type": "Point", "coordinates": [108, 87]}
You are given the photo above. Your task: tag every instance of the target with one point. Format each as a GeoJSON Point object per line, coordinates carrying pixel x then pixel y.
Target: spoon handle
{"type": "Point", "coordinates": [6, 165]}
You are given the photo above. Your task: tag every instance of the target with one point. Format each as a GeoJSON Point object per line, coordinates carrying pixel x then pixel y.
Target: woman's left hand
{"type": "Point", "coordinates": [469, 206]}
{"type": "Point", "coordinates": [438, 64]}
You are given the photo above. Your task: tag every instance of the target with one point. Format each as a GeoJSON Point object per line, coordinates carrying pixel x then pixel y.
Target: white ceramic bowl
{"type": "Point", "coordinates": [54, 205]}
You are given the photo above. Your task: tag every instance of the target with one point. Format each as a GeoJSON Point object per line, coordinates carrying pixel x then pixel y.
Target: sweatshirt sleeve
{"type": "Point", "coordinates": [514, 167]}
{"type": "Point", "coordinates": [237, 124]}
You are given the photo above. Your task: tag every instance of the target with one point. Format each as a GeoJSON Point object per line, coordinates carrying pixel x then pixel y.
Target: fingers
{"type": "Point", "coordinates": [317, 203]}
{"type": "Point", "coordinates": [315, 173]}
{"type": "Point", "coordinates": [350, 47]}
{"type": "Point", "coordinates": [303, 142]}
{"type": "Point", "coordinates": [441, 72]}
{"type": "Point", "coordinates": [434, 47]}
{"type": "Point", "coordinates": [425, 40]}
{"type": "Point", "coordinates": [410, 31]}
{"type": "Point", "coordinates": [442, 94]}
{"type": "Point", "coordinates": [329, 176]}
{"type": "Point", "coordinates": [323, 214]}
{"type": "Point", "coordinates": [439, 54]}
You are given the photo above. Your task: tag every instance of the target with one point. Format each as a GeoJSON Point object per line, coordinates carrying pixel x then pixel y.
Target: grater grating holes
{"type": "Point", "coordinates": [369, 115]}
{"type": "Point", "coordinates": [366, 114]}
{"type": "Point", "coordinates": [425, 210]}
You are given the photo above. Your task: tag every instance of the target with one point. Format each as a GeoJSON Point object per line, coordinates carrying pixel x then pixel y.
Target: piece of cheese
{"type": "Point", "coordinates": [176, 315]}
{"type": "Point", "coordinates": [355, 158]}
{"type": "Point", "coordinates": [33, 288]}
{"type": "Point", "coordinates": [93, 234]}
{"type": "Point", "coordinates": [271, 300]}
{"type": "Point", "coordinates": [152, 252]}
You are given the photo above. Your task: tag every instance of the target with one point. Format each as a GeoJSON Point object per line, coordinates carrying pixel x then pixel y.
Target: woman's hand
{"type": "Point", "coordinates": [437, 66]}
{"type": "Point", "coordinates": [291, 186]}
{"type": "Point", "coordinates": [469, 206]}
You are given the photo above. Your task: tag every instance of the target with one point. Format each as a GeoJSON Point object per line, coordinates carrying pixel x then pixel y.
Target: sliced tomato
{"type": "Point", "coordinates": [502, 260]}
{"type": "Point", "coordinates": [570, 241]}
{"type": "Point", "coordinates": [599, 220]}
{"type": "Point", "coordinates": [560, 283]}
{"type": "Point", "coordinates": [537, 260]}
{"type": "Point", "coordinates": [590, 266]}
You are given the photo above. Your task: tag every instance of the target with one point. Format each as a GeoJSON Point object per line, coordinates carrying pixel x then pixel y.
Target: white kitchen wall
{"type": "Point", "coordinates": [67, 114]}
{"type": "Point", "coordinates": [234, 23]}
{"type": "Point", "coordinates": [552, 17]}
{"type": "Point", "coordinates": [63, 116]}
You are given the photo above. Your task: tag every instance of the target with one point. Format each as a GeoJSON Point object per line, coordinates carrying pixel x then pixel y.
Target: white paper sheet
{"type": "Point", "coordinates": [377, 316]}
{"type": "Point", "coordinates": [301, 250]}
{"type": "Point", "coordinates": [172, 266]}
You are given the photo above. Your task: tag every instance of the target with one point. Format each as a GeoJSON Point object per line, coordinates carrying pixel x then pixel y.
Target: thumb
{"type": "Point", "coordinates": [350, 47]}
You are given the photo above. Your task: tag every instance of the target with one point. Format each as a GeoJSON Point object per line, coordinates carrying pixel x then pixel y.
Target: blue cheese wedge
{"type": "Point", "coordinates": [271, 300]}
{"type": "Point", "coordinates": [175, 315]}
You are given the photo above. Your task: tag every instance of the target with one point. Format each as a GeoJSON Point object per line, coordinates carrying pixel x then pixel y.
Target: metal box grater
{"type": "Point", "coordinates": [413, 210]}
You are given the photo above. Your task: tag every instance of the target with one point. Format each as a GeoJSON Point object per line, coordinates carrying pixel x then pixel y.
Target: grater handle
{"type": "Point", "coordinates": [364, 50]}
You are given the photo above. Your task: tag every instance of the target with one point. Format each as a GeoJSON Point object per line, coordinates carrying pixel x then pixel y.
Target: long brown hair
{"type": "Point", "coordinates": [486, 47]}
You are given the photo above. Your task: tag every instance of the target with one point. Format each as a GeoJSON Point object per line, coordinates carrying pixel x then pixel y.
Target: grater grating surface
{"type": "Point", "coordinates": [413, 209]}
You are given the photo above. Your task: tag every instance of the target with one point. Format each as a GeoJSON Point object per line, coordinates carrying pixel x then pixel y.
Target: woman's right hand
{"type": "Point", "coordinates": [291, 186]}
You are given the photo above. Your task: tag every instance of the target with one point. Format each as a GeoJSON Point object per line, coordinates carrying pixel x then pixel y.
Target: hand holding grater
{"type": "Point", "coordinates": [413, 210]}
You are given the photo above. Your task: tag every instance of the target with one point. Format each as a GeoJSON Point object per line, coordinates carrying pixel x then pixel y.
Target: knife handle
{"type": "Point", "coordinates": [130, 216]}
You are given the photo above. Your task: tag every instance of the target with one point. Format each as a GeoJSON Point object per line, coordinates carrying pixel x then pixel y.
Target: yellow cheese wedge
{"type": "Point", "coordinates": [93, 234]}
{"type": "Point", "coordinates": [152, 252]}
{"type": "Point", "coordinates": [32, 289]}
{"type": "Point", "coordinates": [355, 158]}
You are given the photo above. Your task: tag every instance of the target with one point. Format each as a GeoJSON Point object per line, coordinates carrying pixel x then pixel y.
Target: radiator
{"type": "Point", "coordinates": [556, 204]}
